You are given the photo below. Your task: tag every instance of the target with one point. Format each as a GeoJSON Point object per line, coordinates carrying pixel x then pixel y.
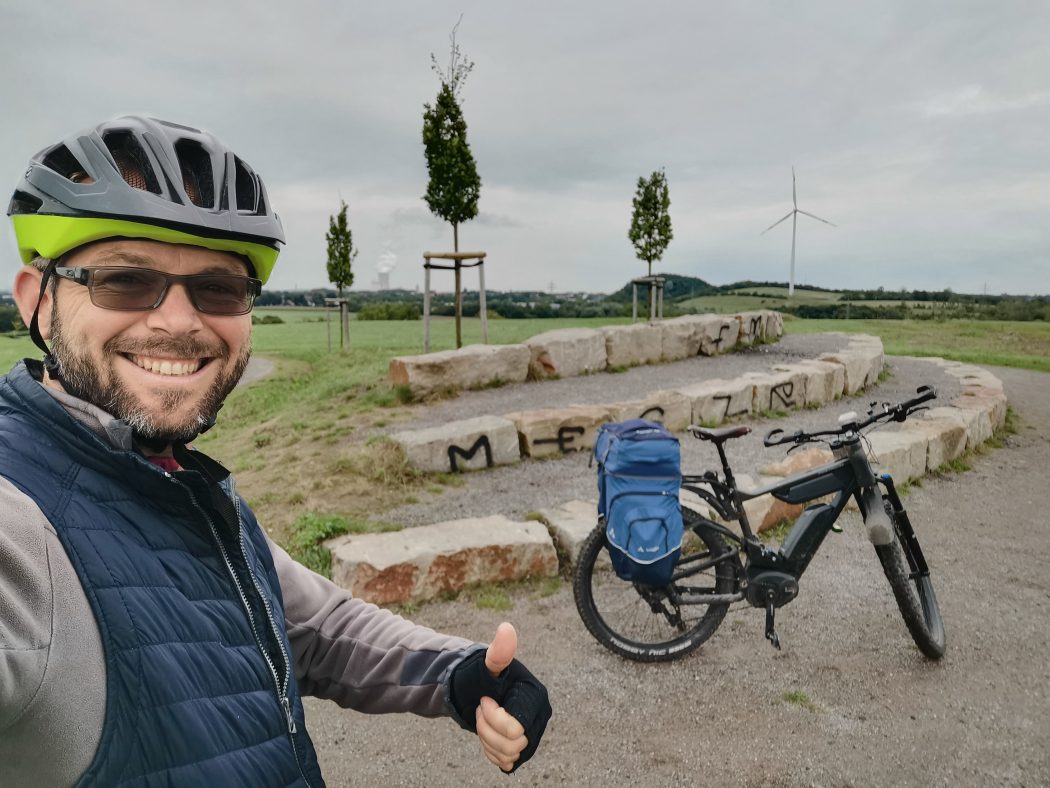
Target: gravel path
{"type": "Point", "coordinates": [880, 715]}
{"type": "Point", "coordinates": [535, 484]}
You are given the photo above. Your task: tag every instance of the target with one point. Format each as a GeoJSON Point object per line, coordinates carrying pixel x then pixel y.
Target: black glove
{"type": "Point", "coordinates": [515, 689]}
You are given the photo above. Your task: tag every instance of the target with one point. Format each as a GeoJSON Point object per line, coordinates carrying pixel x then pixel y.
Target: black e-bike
{"type": "Point", "coordinates": [660, 623]}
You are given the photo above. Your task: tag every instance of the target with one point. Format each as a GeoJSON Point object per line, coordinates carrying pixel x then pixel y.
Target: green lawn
{"type": "Point", "coordinates": [769, 298]}
{"type": "Point", "coordinates": [995, 342]}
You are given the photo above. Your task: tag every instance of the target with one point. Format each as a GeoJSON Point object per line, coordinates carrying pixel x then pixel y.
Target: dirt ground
{"type": "Point", "coordinates": [866, 708]}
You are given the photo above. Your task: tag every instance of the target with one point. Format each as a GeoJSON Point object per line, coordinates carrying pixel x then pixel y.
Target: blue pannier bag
{"type": "Point", "coordinates": [639, 473]}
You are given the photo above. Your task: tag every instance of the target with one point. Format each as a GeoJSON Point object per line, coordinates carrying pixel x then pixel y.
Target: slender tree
{"type": "Point", "coordinates": [454, 185]}
{"type": "Point", "coordinates": [650, 222]}
{"type": "Point", "coordinates": [341, 254]}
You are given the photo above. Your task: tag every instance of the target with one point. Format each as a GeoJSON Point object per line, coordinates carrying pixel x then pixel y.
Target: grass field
{"type": "Point", "coordinates": [768, 298]}
{"type": "Point", "coordinates": [998, 343]}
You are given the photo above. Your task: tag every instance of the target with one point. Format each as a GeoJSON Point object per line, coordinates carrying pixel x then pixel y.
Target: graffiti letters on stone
{"type": "Point", "coordinates": [468, 454]}
{"type": "Point", "coordinates": [729, 401]}
{"type": "Point", "coordinates": [566, 435]}
{"type": "Point", "coordinates": [755, 329]}
{"type": "Point", "coordinates": [782, 393]}
{"type": "Point", "coordinates": [655, 413]}
{"type": "Point", "coordinates": [721, 332]}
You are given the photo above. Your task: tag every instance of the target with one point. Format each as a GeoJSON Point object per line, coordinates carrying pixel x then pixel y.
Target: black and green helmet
{"type": "Point", "coordinates": [136, 177]}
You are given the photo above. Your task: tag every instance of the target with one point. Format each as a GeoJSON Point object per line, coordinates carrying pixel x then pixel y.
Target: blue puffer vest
{"type": "Point", "coordinates": [199, 684]}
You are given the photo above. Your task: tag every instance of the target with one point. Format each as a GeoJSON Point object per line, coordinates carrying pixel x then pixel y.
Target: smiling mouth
{"type": "Point", "coordinates": [172, 367]}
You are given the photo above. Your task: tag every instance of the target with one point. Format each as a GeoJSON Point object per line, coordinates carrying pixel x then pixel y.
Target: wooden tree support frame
{"type": "Point", "coordinates": [656, 296]}
{"type": "Point", "coordinates": [459, 262]}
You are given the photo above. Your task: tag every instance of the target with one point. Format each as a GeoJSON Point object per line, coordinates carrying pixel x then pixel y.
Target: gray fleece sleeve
{"type": "Point", "coordinates": [25, 603]}
{"type": "Point", "coordinates": [361, 656]}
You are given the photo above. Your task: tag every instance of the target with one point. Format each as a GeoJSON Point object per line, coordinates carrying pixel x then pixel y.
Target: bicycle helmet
{"type": "Point", "coordinates": [136, 177]}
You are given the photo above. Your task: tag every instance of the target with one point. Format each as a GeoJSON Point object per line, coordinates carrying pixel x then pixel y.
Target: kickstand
{"type": "Point", "coordinates": [771, 632]}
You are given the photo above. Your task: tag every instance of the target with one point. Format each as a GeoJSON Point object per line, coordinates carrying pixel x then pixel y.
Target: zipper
{"type": "Point", "coordinates": [282, 691]}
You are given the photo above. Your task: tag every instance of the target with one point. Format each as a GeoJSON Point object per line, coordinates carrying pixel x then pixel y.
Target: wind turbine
{"type": "Point", "coordinates": [793, 215]}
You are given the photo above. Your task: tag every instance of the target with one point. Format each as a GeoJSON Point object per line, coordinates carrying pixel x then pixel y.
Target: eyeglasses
{"type": "Point", "coordinates": [139, 289]}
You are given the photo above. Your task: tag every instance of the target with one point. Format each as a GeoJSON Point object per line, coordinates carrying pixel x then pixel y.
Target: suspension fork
{"type": "Point", "coordinates": [916, 560]}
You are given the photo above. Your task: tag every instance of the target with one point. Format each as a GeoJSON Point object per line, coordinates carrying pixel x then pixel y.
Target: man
{"type": "Point", "coordinates": [150, 634]}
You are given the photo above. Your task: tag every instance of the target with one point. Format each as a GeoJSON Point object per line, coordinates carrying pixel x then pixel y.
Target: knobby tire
{"type": "Point", "coordinates": [915, 595]}
{"type": "Point", "coordinates": [642, 623]}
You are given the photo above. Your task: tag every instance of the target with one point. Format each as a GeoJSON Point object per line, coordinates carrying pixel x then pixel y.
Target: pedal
{"type": "Point", "coordinates": [771, 632]}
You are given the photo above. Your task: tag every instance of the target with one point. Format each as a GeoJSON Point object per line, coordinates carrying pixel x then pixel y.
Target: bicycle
{"type": "Point", "coordinates": [655, 624]}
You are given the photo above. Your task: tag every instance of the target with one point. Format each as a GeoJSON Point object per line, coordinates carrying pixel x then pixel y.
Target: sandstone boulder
{"type": "Point", "coordinates": [469, 444]}
{"type": "Point", "coordinates": [554, 431]}
{"type": "Point", "coordinates": [752, 327]}
{"type": "Point", "coordinates": [777, 391]}
{"type": "Point", "coordinates": [671, 408]}
{"type": "Point", "coordinates": [824, 380]}
{"type": "Point", "coordinates": [681, 337]}
{"type": "Point", "coordinates": [473, 366]}
{"type": "Point", "coordinates": [946, 439]}
{"type": "Point", "coordinates": [566, 352]}
{"type": "Point", "coordinates": [901, 454]}
{"type": "Point", "coordinates": [426, 562]}
{"type": "Point", "coordinates": [720, 334]}
{"type": "Point", "coordinates": [715, 401]}
{"type": "Point", "coordinates": [569, 524]}
{"type": "Point", "coordinates": [628, 346]}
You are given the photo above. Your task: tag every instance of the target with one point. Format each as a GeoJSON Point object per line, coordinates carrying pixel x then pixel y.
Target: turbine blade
{"type": "Point", "coordinates": [778, 221]}
{"type": "Point", "coordinates": [794, 193]}
{"type": "Point", "coordinates": [811, 216]}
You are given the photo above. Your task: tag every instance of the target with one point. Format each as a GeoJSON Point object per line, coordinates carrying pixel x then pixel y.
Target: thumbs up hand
{"type": "Point", "coordinates": [502, 737]}
{"type": "Point", "coordinates": [510, 707]}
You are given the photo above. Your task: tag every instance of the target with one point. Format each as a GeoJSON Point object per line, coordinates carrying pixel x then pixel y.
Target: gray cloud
{"type": "Point", "coordinates": [918, 129]}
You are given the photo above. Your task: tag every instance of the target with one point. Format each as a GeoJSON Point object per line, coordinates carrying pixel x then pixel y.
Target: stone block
{"type": "Point", "coordinates": [473, 366]}
{"type": "Point", "coordinates": [629, 346]}
{"type": "Point", "coordinates": [774, 325]}
{"type": "Point", "coordinates": [681, 337]}
{"type": "Point", "coordinates": [715, 401]}
{"type": "Point", "coordinates": [566, 352]}
{"type": "Point", "coordinates": [870, 348]}
{"type": "Point", "coordinates": [752, 327]}
{"type": "Point", "coordinates": [798, 462]}
{"type": "Point", "coordinates": [946, 439]}
{"type": "Point", "coordinates": [856, 366]}
{"type": "Point", "coordinates": [978, 427]}
{"type": "Point", "coordinates": [968, 374]}
{"type": "Point", "coordinates": [569, 525]}
{"type": "Point", "coordinates": [992, 401]}
{"type": "Point", "coordinates": [671, 408]}
{"type": "Point", "coordinates": [720, 334]}
{"type": "Point", "coordinates": [554, 431]}
{"type": "Point", "coordinates": [900, 454]}
{"type": "Point", "coordinates": [469, 444]}
{"type": "Point", "coordinates": [773, 391]}
{"type": "Point", "coordinates": [765, 511]}
{"type": "Point", "coordinates": [426, 562]}
{"type": "Point", "coordinates": [824, 380]}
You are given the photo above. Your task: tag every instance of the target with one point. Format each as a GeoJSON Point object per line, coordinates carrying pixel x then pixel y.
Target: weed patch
{"type": "Point", "coordinates": [801, 699]}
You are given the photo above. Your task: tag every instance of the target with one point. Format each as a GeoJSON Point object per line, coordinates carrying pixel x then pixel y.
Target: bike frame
{"type": "Point", "coordinates": [848, 475]}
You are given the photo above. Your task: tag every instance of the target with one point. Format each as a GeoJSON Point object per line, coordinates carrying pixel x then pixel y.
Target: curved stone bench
{"type": "Point", "coordinates": [426, 562]}
{"type": "Point", "coordinates": [579, 351]}
{"type": "Point", "coordinates": [459, 445]}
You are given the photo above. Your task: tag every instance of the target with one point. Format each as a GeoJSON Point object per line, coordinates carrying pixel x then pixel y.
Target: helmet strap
{"type": "Point", "coordinates": [50, 362]}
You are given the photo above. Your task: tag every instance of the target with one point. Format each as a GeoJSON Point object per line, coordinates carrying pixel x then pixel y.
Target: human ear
{"type": "Point", "coordinates": [26, 293]}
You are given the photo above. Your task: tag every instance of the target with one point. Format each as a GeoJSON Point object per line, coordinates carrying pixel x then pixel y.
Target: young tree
{"type": "Point", "coordinates": [651, 223]}
{"type": "Point", "coordinates": [454, 185]}
{"type": "Point", "coordinates": [341, 254]}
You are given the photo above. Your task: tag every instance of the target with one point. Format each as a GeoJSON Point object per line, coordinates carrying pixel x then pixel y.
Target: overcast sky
{"type": "Point", "coordinates": [922, 130]}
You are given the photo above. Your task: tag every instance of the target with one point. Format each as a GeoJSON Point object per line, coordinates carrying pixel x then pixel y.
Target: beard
{"type": "Point", "coordinates": [97, 382]}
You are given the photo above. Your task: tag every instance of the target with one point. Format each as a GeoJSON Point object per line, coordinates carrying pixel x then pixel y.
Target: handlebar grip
{"type": "Point", "coordinates": [769, 439]}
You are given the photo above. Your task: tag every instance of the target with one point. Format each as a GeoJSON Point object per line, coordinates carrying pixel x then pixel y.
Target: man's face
{"type": "Point", "coordinates": [166, 371]}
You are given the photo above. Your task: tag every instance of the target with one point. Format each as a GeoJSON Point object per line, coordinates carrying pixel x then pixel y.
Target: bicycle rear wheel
{"type": "Point", "coordinates": [648, 623]}
{"type": "Point", "coordinates": [912, 587]}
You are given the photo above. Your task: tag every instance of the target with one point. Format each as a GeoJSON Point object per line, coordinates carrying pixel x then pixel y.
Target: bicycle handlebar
{"type": "Point", "coordinates": [898, 412]}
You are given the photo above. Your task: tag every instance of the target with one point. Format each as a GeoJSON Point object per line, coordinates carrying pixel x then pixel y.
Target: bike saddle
{"type": "Point", "coordinates": [719, 434]}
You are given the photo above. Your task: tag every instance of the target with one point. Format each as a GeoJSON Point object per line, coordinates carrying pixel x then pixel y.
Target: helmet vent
{"type": "Point", "coordinates": [196, 173]}
{"type": "Point", "coordinates": [247, 190]}
{"type": "Point", "coordinates": [65, 164]}
{"type": "Point", "coordinates": [24, 203]}
{"type": "Point", "coordinates": [132, 161]}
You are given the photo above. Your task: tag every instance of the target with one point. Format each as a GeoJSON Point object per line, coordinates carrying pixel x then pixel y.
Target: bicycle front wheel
{"type": "Point", "coordinates": [649, 623]}
{"type": "Point", "coordinates": [912, 589]}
